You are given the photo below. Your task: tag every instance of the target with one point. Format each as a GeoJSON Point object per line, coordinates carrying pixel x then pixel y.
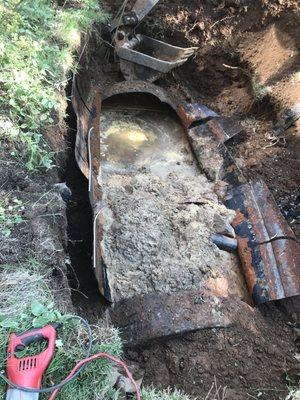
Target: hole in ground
{"type": "Point", "coordinates": [86, 297]}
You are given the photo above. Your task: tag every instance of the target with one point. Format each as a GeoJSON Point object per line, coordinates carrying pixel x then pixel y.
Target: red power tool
{"type": "Point", "coordinates": [28, 371]}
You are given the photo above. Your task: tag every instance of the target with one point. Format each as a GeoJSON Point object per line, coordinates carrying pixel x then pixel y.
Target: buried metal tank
{"type": "Point", "coordinates": [152, 166]}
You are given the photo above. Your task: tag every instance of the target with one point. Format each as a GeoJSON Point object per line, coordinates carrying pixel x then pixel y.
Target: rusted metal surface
{"type": "Point", "coordinates": [138, 87]}
{"type": "Point", "coordinates": [195, 112]}
{"type": "Point", "coordinates": [272, 269]}
{"type": "Point", "coordinates": [157, 315]}
{"type": "Point", "coordinates": [286, 251]}
{"type": "Point", "coordinates": [213, 156]}
{"type": "Point", "coordinates": [222, 128]}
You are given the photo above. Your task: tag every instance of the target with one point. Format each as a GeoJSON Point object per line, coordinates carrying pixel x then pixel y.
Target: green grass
{"type": "Point", "coordinates": [37, 308]}
{"type": "Point", "coordinates": [37, 42]}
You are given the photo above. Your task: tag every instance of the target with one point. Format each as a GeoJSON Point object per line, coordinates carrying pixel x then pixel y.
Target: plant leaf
{"type": "Point", "coordinates": [39, 322]}
{"type": "Point", "coordinates": [9, 323]}
{"type": "Point", "coordinates": [37, 308]}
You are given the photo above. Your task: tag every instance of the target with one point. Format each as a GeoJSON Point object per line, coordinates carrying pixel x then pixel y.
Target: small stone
{"type": "Point", "coordinates": [201, 26]}
{"type": "Point", "coordinates": [252, 162]}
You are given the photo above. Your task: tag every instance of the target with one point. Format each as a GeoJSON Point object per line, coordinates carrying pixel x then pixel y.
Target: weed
{"type": "Point", "coordinates": [260, 90]}
{"type": "Point", "coordinates": [10, 214]}
{"type": "Point", "coordinates": [36, 48]}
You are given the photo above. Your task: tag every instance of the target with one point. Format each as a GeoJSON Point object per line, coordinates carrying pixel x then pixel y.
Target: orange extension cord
{"type": "Point", "coordinates": [95, 357]}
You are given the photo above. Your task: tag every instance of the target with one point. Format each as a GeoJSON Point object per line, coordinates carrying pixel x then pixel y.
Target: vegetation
{"type": "Point", "coordinates": [152, 394]}
{"type": "Point", "coordinates": [10, 213]}
{"type": "Point", "coordinates": [37, 41]}
{"type": "Point", "coordinates": [39, 308]}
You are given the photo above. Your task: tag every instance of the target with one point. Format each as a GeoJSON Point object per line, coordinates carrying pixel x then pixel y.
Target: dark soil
{"type": "Point", "coordinates": [40, 237]}
{"type": "Point", "coordinates": [247, 360]}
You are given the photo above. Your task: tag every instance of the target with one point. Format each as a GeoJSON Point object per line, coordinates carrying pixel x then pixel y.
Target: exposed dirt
{"type": "Point", "coordinates": [247, 360]}
{"type": "Point", "coordinates": [40, 235]}
{"type": "Point", "coordinates": [247, 67]}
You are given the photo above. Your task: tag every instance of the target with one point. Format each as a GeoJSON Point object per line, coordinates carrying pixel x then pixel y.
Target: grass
{"type": "Point", "coordinates": [153, 394]}
{"type": "Point", "coordinates": [19, 313]}
{"type": "Point", "coordinates": [37, 42]}
{"type": "Point", "coordinates": [39, 307]}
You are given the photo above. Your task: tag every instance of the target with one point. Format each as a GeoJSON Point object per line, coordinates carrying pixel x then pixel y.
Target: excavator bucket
{"type": "Point", "coordinates": [142, 57]}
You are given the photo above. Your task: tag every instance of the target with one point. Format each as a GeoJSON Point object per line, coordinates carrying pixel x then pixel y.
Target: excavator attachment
{"type": "Point", "coordinates": [142, 57]}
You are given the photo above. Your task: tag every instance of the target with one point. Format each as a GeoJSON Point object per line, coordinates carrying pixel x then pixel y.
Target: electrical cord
{"type": "Point", "coordinates": [78, 368]}
{"type": "Point", "coordinates": [82, 363]}
{"type": "Point", "coordinates": [65, 381]}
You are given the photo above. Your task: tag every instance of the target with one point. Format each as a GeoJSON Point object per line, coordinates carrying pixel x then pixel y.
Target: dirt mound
{"type": "Point", "coordinates": [246, 361]}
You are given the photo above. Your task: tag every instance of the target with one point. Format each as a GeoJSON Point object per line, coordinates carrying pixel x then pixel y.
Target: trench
{"type": "Point", "coordinates": [86, 297]}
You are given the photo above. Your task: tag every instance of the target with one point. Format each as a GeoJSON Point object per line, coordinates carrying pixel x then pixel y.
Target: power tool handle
{"type": "Point", "coordinates": [28, 371]}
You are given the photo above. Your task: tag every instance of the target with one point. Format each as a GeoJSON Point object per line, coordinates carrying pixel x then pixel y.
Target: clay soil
{"type": "Point", "coordinates": [247, 67]}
